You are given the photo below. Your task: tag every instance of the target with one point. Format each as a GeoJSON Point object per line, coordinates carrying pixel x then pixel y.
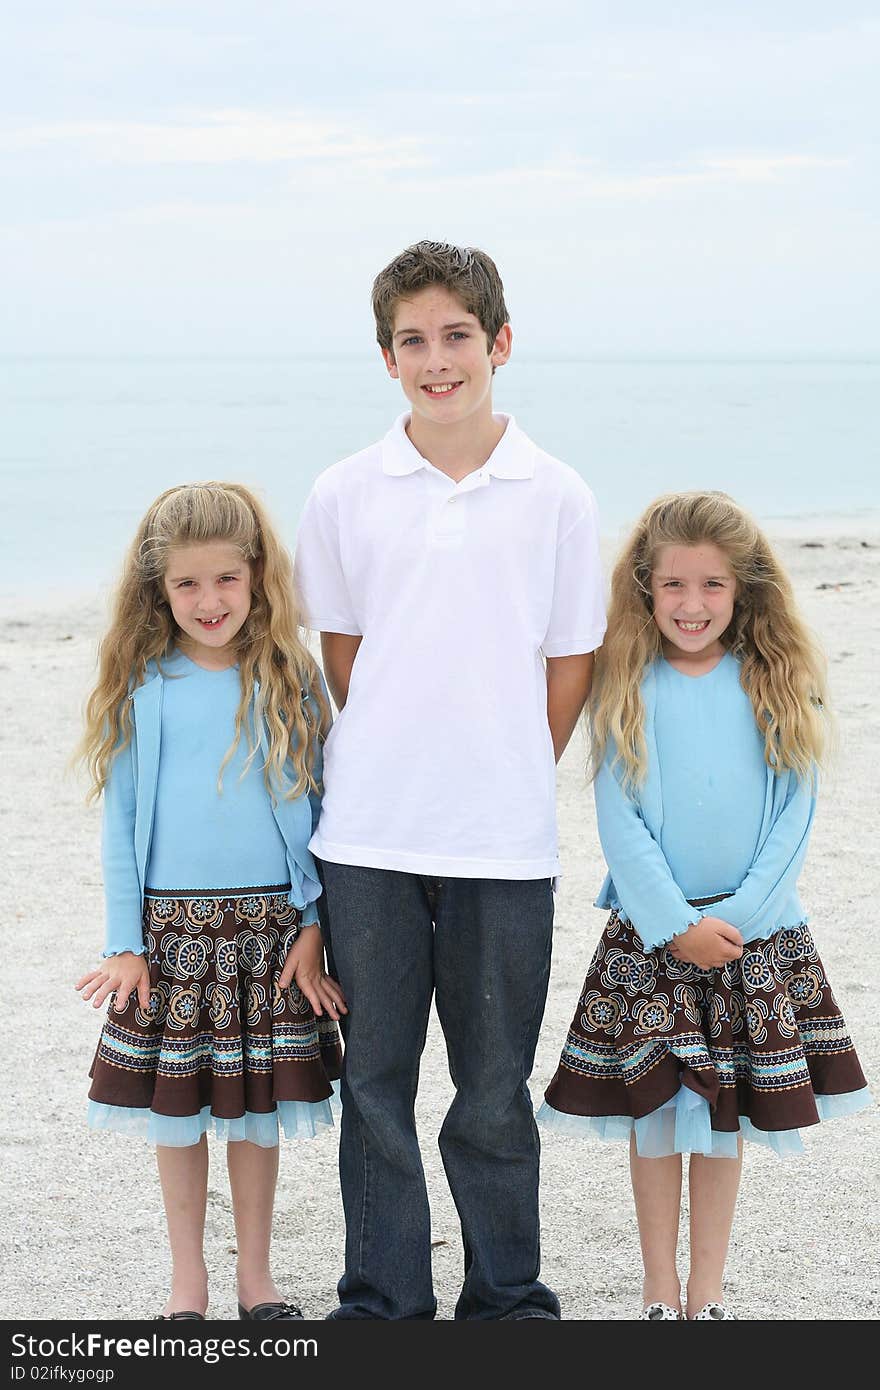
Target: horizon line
{"type": "Point", "coordinates": [691, 357]}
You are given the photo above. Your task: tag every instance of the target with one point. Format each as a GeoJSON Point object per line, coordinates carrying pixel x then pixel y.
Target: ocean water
{"type": "Point", "coordinates": [86, 444]}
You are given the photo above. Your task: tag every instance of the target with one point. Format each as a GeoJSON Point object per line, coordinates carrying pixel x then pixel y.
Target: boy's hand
{"type": "Point", "coordinates": [709, 944]}
{"type": "Point", "coordinates": [305, 965]}
{"type": "Point", "coordinates": [123, 973]}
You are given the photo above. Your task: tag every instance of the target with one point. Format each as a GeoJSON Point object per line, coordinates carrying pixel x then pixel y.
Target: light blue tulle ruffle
{"type": "Point", "coordinates": [295, 1119]}
{"type": "Point", "coordinates": [683, 1125]}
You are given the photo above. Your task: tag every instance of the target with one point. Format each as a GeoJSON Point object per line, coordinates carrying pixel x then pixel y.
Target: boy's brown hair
{"type": "Point", "coordinates": [465, 271]}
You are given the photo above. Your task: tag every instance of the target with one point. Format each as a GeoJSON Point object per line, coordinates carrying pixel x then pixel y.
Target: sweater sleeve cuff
{"type": "Point", "coordinates": [120, 950]}
{"type": "Point", "coordinates": [309, 915]}
{"type": "Point", "coordinates": [654, 940]}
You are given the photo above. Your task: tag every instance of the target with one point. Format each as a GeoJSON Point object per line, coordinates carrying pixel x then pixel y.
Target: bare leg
{"type": "Point", "coordinates": [656, 1184]}
{"type": "Point", "coordinates": [183, 1174]}
{"type": "Point", "coordinates": [253, 1173]}
{"type": "Point", "coordinates": [713, 1184]}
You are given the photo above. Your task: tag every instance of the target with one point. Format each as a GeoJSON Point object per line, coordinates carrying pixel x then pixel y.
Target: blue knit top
{"type": "Point", "coordinates": [202, 837]}
{"type": "Point", "coordinates": [711, 816]}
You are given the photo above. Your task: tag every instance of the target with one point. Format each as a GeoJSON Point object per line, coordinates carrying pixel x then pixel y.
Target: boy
{"type": "Point", "coordinates": [439, 565]}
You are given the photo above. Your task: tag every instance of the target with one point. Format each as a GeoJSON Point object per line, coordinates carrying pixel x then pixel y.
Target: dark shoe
{"type": "Point", "coordinates": [531, 1317]}
{"type": "Point", "coordinates": [271, 1312]}
{"type": "Point", "coordinates": [176, 1317]}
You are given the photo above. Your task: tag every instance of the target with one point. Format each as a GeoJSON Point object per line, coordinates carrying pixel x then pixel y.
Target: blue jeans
{"type": "Point", "coordinates": [483, 945]}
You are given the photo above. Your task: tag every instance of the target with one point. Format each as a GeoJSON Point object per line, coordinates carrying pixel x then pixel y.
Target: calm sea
{"type": "Point", "coordinates": [85, 444]}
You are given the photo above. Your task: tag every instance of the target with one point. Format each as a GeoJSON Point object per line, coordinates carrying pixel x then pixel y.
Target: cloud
{"type": "Point", "coordinates": [587, 179]}
{"type": "Point", "coordinates": [767, 168]}
{"type": "Point", "coordinates": [218, 137]}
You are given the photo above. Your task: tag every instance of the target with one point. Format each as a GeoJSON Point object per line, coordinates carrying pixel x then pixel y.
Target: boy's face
{"type": "Point", "coordinates": [440, 356]}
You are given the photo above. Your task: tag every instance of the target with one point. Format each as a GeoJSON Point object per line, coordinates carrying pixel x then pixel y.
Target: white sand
{"type": "Point", "coordinates": [82, 1225]}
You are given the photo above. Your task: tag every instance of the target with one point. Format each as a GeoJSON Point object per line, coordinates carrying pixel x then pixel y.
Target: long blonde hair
{"type": "Point", "coordinates": [267, 647]}
{"type": "Point", "coordinates": [782, 667]}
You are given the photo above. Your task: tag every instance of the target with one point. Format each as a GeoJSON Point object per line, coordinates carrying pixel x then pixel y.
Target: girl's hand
{"type": "Point", "coordinates": [305, 965]}
{"type": "Point", "coordinates": [124, 974]}
{"type": "Point", "coordinates": [709, 943]}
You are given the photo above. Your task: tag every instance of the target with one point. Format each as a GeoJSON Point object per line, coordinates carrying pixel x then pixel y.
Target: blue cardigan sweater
{"type": "Point", "coordinates": [129, 806]}
{"type": "Point", "coordinates": [640, 882]}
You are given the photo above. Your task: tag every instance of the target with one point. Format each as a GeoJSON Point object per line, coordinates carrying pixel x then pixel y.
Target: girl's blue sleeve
{"type": "Point", "coordinates": [317, 771]}
{"type": "Point", "coordinates": [314, 717]}
{"type": "Point", "coordinates": [645, 888]}
{"type": "Point", "coordinates": [122, 891]}
{"type": "Point", "coordinates": [315, 804]}
{"type": "Point", "coordinates": [772, 879]}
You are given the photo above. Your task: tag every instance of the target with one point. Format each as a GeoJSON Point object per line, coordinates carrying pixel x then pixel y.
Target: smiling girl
{"type": "Point", "coordinates": [204, 734]}
{"type": "Point", "coordinates": [706, 1014]}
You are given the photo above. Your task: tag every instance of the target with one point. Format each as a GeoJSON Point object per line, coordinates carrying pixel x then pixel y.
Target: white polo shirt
{"type": "Point", "coordinates": [442, 762]}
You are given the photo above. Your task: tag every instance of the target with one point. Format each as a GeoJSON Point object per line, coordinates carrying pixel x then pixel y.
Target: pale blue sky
{"type": "Point", "coordinates": [195, 177]}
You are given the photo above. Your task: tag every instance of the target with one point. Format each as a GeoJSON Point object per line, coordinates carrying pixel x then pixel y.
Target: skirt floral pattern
{"type": "Point", "coordinates": [219, 1040]}
{"type": "Point", "coordinates": [761, 1038]}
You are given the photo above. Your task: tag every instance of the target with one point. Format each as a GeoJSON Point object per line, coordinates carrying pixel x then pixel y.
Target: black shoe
{"type": "Point", "coordinates": [271, 1312]}
{"type": "Point", "coordinates": [175, 1317]}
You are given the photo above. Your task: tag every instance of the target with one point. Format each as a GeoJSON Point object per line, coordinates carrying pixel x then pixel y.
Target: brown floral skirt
{"type": "Point", "coordinates": [761, 1041]}
{"type": "Point", "coordinates": [220, 1046]}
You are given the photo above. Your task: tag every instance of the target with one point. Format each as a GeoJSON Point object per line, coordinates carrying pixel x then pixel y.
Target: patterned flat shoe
{"type": "Point", "coordinates": [270, 1312]}
{"type": "Point", "coordinates": [661, 1312]}
{"type": "Point", "coordinates": [714, 1312]}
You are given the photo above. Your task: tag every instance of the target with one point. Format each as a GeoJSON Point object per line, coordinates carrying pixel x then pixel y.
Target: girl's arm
{"type": "Point", "coordinates": [122, 889]}
{"type": "Point", "coordinates": [648, 893]}
{"type": "Point", "coordinates": [772, 878]}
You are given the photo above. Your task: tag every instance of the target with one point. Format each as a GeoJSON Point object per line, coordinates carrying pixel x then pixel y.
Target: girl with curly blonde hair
{"type": "Point", "coordinates": [706, 1015]}
{"type": "Point", "coordinates": [203, 735]}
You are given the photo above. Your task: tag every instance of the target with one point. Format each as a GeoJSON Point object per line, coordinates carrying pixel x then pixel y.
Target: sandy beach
{"type": "Point", "coordinates": [82, 1225]}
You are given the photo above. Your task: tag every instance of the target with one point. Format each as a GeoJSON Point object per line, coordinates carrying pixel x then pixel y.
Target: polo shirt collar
{"type": "Point", "coordinates": [512, 457]}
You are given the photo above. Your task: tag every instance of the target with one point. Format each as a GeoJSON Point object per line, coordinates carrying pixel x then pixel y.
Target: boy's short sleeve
{"type": "Point", "coordinates": [577, 615]}
{"type": "Point", "coordinates": [318, 573]}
